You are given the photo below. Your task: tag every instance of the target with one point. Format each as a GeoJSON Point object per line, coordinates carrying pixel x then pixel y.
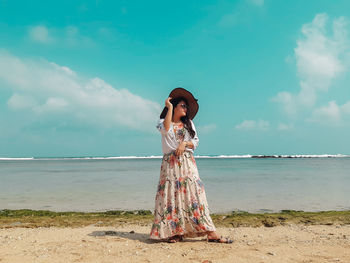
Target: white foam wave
{"type": "Point", "coordinates": [224, 156]}
{"type": "Point", "coordinates": [10, 158]}
{"type": "Point", "coordinates": [196, 156]}
{"type": "Point", "coordinates": [128, 157]}
{"type": "Point", "coordinates": [104, 158]}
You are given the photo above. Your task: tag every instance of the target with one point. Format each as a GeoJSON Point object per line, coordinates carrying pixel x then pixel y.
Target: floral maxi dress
{"type": "Point", "coordinates": [181, 206]}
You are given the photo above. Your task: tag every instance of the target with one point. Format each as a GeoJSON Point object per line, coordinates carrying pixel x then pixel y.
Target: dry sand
{"type": "Point", "coordinates": [293, 243]}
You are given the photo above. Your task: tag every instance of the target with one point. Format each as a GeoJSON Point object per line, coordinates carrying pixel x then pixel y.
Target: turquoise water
{"type": "Point", "coordinates": [249, 184]}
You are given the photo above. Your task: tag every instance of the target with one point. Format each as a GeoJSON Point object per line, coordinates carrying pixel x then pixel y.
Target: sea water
{"type": "Point", "coordinates": [231, 183]}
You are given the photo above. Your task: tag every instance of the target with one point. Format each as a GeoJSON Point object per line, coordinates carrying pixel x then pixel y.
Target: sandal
{"type": "Point", "coordinates": [174, 239]}
{"type": "Point", "coordinates": [225, 240]}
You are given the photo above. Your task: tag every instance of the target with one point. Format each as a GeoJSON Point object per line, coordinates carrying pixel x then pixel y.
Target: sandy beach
{"type": "Point", "coordinates": [130, 243]}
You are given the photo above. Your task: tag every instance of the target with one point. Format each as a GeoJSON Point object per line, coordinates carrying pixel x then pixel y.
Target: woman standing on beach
{"type": "Point", "coordinates": [181, 208]}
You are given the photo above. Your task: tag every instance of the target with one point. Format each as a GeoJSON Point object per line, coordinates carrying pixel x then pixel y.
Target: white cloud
{"type": "Point", "coordinates": [19, 102]}
{"type": "Point", "coordinates": [67, 36]}
{"type": "Point", "coordinates": [71, 36]}
{"type": "Point", "coordinates": [207, 128]}
{"type": "Point", "coordinates": [246, 124]}
{"type": "Point", "coordinates": [285, 127]}
{"type": "Point", "coordinates": [39, 34]}
{"type": "Point", "coordinates": [52, 104]}
{"type": "Point", "coordinates": [63, 69]}
{"type": "Point", "coordinates": [288, 102]}
{"type": "Point", "coordinates": [329, 113]}
{"type": "Point", "coordinates": [241, 13]}
{"type": "Point", "coordinates": [45, 89]}
{"type": "Point", "coordinates": [253, 125]}
{"type": "Point", "coordinates": [320, 58]}
{"type": "Point", "coordinates": [346, 108]}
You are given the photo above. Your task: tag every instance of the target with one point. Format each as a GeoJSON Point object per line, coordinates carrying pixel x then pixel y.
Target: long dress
{"type": "Point", "coordinates": [181, 206]}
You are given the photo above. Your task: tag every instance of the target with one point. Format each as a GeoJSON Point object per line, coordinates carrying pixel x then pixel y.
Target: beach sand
{"type": "Point", "coordinates": [289, 243]}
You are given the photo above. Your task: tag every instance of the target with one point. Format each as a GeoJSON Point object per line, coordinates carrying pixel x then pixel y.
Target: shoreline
{"type": "Point", "coordinates": [45, 218]}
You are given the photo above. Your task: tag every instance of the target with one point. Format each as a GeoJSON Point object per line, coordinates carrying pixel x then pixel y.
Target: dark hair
{"type": "Point", "coordinates": [185, 120]}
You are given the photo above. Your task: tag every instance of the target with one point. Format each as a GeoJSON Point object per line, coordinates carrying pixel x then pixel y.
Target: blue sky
{"type": "Point", "coordinates": [89, 78]}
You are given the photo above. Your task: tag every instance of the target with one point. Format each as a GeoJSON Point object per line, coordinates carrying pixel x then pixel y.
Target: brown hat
{"type": "Point", "coordinates": [192, 102]}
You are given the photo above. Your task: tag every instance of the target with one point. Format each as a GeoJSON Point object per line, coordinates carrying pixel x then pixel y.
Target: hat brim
{"type": "Point", "coordinates": [191, 100]}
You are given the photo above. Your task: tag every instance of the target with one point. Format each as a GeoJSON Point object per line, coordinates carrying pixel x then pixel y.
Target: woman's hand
{"type": "Point", "coordinates": [180, 150]}
{"type": "Point", "coordinates": [168, 104]}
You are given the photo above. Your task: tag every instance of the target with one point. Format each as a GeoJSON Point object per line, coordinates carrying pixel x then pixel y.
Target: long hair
{"type": "Point", "coordinates": [185, 120]}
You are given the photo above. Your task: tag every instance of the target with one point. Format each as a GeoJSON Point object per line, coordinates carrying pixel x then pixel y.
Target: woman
{"type": "Point", "coordinates": [181, 208]}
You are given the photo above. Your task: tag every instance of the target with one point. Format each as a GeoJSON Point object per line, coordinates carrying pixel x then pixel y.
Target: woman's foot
{"type": "Point", "coordinates": [213, 237]}
{"type": "Point", "coordinates": [175, 239]}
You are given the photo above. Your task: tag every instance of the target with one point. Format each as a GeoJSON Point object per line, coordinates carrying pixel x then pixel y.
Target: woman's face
{"type": "Point", "coordinates": [181, 109]}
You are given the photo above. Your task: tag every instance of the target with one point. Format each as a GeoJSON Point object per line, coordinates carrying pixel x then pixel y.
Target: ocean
{"type": "Point", "coordinates": [232, 183]}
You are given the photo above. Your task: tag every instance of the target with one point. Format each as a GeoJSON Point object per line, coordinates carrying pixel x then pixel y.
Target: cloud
{"type": "Point", "coordinates": [207, 128]}
{"type": "Point", "coordinates": [44, 90]}
{"type": "Point", "coordinates": [285, 127]}
{"type": "Point", "coordinates": [242, 13]}
{"type": "Point", "coordinates": [68, 36]}
{"type": "Point", "coordinates": [320, 58]}
{"type": "Point", "coordinates": [40, 34]}
{"type": "Point", "coordinates": [71, 36]}
{"type": "Point", "coordinates": [19, 102]}
{"type": "Point", "coordinates": [331, 113]}
{"type": "Point", "coordinates": [288, 101]}
{"type": "Point", "coordinates": [253, 125]}
{"type": "Point", "coordinates": [346, 108]}
{"type": "Point", "coordinates": [63, 69]}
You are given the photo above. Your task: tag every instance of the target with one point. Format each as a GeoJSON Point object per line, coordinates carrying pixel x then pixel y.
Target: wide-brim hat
{"type": "Point", "coordinates": [191, 100]}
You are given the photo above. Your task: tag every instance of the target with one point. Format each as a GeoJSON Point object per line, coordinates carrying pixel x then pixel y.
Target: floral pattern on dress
{"type": "Point", "coordinates": [181, 206]}
{"type": "Point", "coordinates": [180, 132]}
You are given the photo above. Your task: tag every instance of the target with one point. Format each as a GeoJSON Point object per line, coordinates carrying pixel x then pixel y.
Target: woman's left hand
{"type": "Point", "coordinates": [180, 150]}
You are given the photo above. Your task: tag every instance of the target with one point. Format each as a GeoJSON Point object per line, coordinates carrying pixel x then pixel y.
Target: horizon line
{"type": "Point", "coordinates": [222, 156]}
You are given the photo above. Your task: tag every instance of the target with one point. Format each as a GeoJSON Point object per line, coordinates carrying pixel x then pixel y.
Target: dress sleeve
{"type": "Point", "coordinates": [195, 139]}
{"type": "Point", "coordinates": [161, 128]}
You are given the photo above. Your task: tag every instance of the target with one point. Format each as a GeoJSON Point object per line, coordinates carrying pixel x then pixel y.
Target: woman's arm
{"type": "Point", "coordinates": [169, 115]}
{"type": "Point", "coordinates": [182, 146]}
{"type": "Point", "coordinates": [189, 144]}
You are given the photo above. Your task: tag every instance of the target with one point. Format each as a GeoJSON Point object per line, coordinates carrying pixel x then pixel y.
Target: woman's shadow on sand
{"type": "Point", "coordinates": [144, 238]}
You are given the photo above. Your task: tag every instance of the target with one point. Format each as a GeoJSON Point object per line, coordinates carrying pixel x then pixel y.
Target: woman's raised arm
{"type": "Point", "coordinates": [169, 115]}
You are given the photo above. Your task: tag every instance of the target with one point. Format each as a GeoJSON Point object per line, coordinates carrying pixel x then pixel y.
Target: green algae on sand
{"type": "Point", "coordinates": [44, 218]}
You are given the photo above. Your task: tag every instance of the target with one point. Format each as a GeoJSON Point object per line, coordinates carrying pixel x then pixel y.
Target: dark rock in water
{"type": "Point", "coordinates": [132, 232]}
{"type": "Point", "coordinates": [264, 156]}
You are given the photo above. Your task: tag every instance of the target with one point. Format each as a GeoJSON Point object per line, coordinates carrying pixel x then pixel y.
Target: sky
{"type": "Point", "coordinates": [90, 78]}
